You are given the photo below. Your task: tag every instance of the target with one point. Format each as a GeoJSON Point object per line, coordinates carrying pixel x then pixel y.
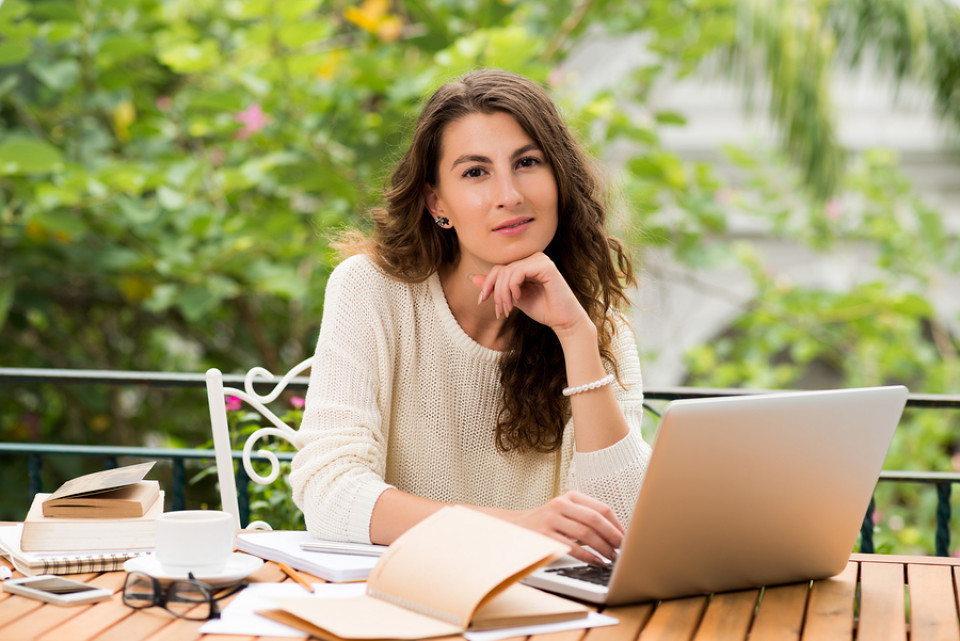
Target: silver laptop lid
{"type": "Point", "coordinates": [755, 490]}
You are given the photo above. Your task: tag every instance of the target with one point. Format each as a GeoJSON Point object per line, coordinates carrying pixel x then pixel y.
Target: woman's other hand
{"type": "Point", "coordinates": [574, 518]}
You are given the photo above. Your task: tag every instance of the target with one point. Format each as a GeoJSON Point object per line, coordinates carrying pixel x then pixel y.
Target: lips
{"type": "Point", "coordinates": [511, 224]}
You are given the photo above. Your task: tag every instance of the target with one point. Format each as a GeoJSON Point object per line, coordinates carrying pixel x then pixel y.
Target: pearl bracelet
{"type": "Point", "coordinates": [586, 387]}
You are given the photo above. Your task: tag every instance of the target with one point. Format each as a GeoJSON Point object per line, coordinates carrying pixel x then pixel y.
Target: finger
{"type": "Point", "coordinates": [515, 285]}
{"type": "Point", "coordinates": [575, 550]}
{"type": "Point", "coordinates": [587, 535]}
{"type": "Point", "coordinates": [602, 508]}
{"type": "Point", "coordinates": [589, 526]}
{"type": "Point", "coordinates": [583, 554]}
{"type": "Point", "coordinates": [502, 291]}
{"type": "Point", "coordinates": [486, 283]}
{"type": "Point", "coordinates": [478, 281]}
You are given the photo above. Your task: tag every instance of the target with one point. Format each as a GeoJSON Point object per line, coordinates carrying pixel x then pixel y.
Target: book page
{"type": "Point", "coordinates": [522, 605]}
{"type": "Point", "coordinates": [450, 562]}
{"type": "Point", "coordinates": [362, 617]}
{"type": "Point", "coordinates": [99, 481]}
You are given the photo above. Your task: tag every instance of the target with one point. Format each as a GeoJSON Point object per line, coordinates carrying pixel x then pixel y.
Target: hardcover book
{"type": "Point", "coordinates": [120, 492]}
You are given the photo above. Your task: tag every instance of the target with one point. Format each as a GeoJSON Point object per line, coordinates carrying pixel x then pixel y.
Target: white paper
{"type": "Point", "coordinates": [240, 617]}
{"type": "Point", "coordinates": [593, 620]}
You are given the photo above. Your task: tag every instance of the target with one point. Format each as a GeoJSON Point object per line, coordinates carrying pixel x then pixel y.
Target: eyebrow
{"type": "Point", "coordinates": [468, 158]}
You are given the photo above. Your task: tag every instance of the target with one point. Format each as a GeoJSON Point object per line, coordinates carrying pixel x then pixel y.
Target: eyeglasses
{"type": "Point", "coordinates": [187, 599]}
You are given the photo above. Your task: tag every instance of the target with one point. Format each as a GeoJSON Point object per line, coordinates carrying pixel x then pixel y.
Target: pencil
{"type": "Point", "coordinates": [293, 574]}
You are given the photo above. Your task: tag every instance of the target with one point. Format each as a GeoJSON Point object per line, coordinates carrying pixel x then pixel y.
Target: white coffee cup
{"type": "Point", "coordinates": [198, 541]}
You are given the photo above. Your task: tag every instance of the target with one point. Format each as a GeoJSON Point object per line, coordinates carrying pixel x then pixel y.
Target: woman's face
{"type": "Point", "coordinates": [497, 190]}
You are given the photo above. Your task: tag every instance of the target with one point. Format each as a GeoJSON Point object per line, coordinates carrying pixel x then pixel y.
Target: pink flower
{"type": "Point", "coordinates": [833, 208]}
{"type": "Point", "coordinates": [253, 120]}
{"type": "Point", "coordinates": [233, 403]}
{"type": "Point", "coordinates": [298, 402]}
{"type": "Point", "coordinates": [724, 196]}
{"type": "Point", "coordinates": [164, 103]}
{"type": "Point", "coordinates": [555, 77]}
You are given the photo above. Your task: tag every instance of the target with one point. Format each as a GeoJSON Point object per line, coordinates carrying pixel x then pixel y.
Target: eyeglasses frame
{"type": "Point", "coordinates": [160, 594]}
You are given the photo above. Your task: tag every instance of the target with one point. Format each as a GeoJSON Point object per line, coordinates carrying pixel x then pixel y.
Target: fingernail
{"type": "Point", "coordinates": [480, 298]}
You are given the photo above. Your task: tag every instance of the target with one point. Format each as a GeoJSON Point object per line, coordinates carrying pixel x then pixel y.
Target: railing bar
{"type": "Point", "coordinates": [179, 485]}
{"type": "Point", "coordinates": [866, 529]}
{"type": "Point", "coordinates": [243, 494]}
{"type": "Point", "coordinates": [943, 519]}
{"type": "Point", "coordinates": [34, 469]}
{"type": "Point", "coordinates": [140, 452]}
{"type": "Point", "coordinates": [919, 476]}
{"type": "Point", "coordinates": [190, 379]}
{"type": "Point", "coordinates": [114, 377]}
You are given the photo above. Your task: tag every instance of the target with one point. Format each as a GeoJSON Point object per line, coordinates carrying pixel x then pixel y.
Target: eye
{"type": "Point", "coordinates": [473, 172]}
{"type": "Point", "coordinates": [528, 161]}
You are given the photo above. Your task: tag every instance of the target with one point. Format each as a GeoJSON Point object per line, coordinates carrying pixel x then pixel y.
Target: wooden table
{"type": "Point", "coordinates": [877, 597]}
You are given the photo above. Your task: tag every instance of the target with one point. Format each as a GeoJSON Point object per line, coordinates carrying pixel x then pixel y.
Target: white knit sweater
{"type": "Point", "coordinates": [400, 396]}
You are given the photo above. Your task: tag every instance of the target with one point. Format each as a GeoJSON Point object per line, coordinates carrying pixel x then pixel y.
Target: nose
{"type": "Point", "coordinates": [508, 195]}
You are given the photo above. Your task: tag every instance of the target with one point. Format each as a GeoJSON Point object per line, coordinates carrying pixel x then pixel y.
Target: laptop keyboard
{"type": "Point", "coordinates": [599, 574]}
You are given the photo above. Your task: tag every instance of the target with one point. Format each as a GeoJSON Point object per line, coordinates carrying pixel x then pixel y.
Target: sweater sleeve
{"type": "Point", "coordinates": [614, 474]}
{"type": "Point", "coordinates": [338, 473]}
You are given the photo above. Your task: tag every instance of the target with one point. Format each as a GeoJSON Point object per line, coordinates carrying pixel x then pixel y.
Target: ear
{"type": "Point", "coordinates": [432, 200]}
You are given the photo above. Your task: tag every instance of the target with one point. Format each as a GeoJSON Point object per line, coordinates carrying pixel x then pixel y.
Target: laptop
{"type": "Point", "coordinates": [746, 491]}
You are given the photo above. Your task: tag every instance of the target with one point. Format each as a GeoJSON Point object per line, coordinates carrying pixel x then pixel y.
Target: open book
{"type": "Point", "coordinates": [120, 492]}
{"type": "Point", "coordinates": [456, 570]}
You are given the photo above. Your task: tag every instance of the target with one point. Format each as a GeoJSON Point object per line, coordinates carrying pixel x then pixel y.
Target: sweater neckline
{"type": "Point", "coordinates": [449, 322]}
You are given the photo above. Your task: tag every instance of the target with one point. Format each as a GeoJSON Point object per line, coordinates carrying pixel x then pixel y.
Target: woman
{"type": "Point", "coordinates": [473, 351]}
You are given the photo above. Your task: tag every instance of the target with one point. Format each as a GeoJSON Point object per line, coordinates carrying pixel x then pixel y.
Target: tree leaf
{"type": "Point", "coordinates": [28, 156]}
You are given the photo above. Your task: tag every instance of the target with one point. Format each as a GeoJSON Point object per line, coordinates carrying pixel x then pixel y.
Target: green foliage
{"type": "Point", "coordinates": [876, 326]}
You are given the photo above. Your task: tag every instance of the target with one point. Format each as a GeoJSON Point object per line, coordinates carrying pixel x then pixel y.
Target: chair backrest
{"type": "Point", "coordinates": [217, 396]}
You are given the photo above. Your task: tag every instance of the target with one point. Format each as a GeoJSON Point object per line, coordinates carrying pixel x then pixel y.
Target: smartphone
{"type": "Point", "coordinates": [56, 590]}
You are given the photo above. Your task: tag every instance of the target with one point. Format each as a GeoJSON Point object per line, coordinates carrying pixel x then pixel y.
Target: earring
{"type": "Point", "coordinates": [442, 221]}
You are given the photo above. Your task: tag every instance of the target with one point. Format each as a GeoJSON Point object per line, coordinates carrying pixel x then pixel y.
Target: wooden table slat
{"type": "Point", "coordinates": [631, 619]}
{"type": "Point", "coordinates": [178, 630]}
{"type": "Point", "coordinates": [674, 620]}
{"type": "Point", "coordinates": [780, 615]}
{"type": "Point", "coordinates": [882, 609]}
{"type": "Point", "coordinates": [933, 603]}
{"type": "Point", "coordinates": [830, 607]}
{"type": "Point", "coordinates": [88, 624]}
{"type": "Point", "coordinates": [139, 625]}
{"type": "Point", "coordinates": [728, 616]}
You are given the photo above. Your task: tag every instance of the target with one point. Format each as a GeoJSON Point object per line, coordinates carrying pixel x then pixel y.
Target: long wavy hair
{"type": "Point", "coordinates": [409, 246]}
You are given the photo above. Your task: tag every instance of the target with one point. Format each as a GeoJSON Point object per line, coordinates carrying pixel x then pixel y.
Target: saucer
{"type": "Point", "coordinates": [239, 566]}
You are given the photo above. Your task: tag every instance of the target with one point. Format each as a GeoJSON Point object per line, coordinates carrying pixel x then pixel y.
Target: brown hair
{"type": "Point", "coordinates": [410, 247]}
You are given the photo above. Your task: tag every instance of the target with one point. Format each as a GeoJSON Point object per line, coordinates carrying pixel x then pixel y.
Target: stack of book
{"type": "Point", "coordinates": [92, 523]}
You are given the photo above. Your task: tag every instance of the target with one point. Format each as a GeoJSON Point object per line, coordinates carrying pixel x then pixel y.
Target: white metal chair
{"type": "Point", "coordinates": [217, 396]}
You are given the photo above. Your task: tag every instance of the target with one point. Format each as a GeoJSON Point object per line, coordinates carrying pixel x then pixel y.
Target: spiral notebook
{"type": "Point", "coordinates": [66, 562]}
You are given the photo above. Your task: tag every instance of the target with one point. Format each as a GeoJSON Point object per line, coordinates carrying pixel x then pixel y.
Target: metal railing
{"type": "Point", "coordinates": [37, 452]}
{"type": "Point", "coordinates": [942, 481]}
